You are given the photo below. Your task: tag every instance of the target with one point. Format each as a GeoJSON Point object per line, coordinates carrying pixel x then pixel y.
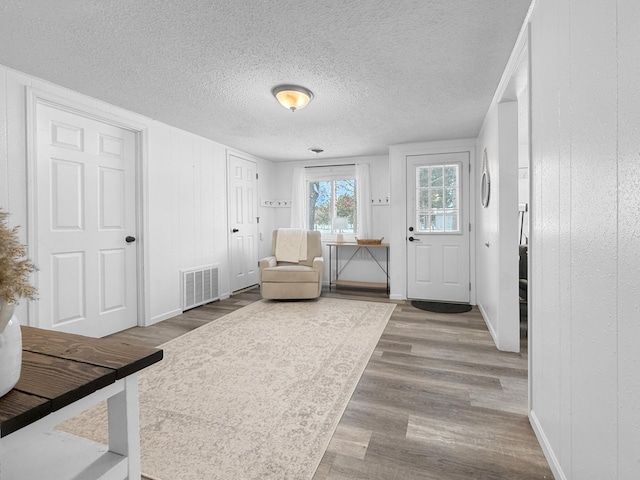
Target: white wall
{"type": "Point", "coordinates": [185, 192]}
{"type": "Point", "coordinates": [497, 233]}
{"type": "Point", "coordinates": [523, 159]}
{"type": "Point", "coordinates": [361, 268]}
{"type": "Point", "coordinates": [585, 357]}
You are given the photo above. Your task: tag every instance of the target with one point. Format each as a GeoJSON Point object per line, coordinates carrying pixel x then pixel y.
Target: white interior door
{"type": "Point", "coordinates": [86, 223]}
{"type": "Point", "coordinates": [243, 223]}
{"type": "Point", "coordinates": [438, 227]}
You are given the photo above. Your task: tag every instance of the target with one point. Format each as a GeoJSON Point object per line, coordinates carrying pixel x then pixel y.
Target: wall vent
{"type": "Point", "coordinates": [199, 286]}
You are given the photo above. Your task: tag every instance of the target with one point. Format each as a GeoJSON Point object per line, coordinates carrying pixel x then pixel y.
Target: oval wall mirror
{"type": "Point", "coordinates": [485, 181]}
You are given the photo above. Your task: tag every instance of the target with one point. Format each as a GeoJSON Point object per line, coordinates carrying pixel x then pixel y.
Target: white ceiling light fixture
{"type": "Point", "coordinates": [292, 97]}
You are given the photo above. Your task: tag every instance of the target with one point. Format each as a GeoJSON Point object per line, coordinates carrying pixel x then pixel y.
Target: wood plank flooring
{"type": "Point", "coordinates": [436, 401]}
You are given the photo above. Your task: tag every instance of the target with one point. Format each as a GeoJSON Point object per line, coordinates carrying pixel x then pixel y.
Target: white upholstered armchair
{"type": "Point", "coordinates": [301, 279]}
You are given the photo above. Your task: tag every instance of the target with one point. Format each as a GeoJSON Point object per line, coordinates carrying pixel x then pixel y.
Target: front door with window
{"type": "Point", "coordinates": [438, 227]}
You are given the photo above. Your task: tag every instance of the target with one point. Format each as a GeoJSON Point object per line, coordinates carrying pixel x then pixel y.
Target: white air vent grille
{"type": "Point", "coordinates": [199, 286]}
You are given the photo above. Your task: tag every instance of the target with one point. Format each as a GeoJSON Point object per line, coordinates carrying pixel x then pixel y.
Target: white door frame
{"type": "Point", "coordinates": [34, 97]}
{"type": "Point", "coordinates": [398, 228]}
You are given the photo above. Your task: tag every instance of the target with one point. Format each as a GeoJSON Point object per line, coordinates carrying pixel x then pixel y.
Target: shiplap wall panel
{"type": "Point", "coordinates": [509, 307]}
{"type": "Point", "coordinates": [545, 206]}
{"type": "Point", "coordinates": [628, 59]}
{"type": "Point", "coordinates": [207, 173]}
{"type": "Point", "coordinates": [16, 148]}
{"type": "Point", "coordinates": [4, 160]}
{"type": "Point", "coordinates": [564, 295]}
{"type": "Point", "coordinates": [162, 222]}
{"type": "Point", "coordinates": [593, 237]}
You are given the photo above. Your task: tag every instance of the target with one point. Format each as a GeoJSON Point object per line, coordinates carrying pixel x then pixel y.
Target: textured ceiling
{"type": "Point", "coordinates": [383, 72]}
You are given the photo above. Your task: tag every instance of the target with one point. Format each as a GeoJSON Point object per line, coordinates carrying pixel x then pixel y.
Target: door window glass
{"type": "Point", "coordinates": [437, 198]}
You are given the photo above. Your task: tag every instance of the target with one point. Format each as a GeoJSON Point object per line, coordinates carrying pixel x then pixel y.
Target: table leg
{"type": "Point", "coordinates": [337, 264]}
{"type": "Point", "coordinates": [387, 272]}
{"type": "Point", "coordinates": [124, 425]}
{"type": "Point", "coordinates": [330, 274]}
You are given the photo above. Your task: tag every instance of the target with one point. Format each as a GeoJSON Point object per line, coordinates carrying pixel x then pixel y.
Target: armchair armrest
{"type": "Point", "coordinates": [318, 264]}
{"type": "Point", "coordinates": [267, 262]}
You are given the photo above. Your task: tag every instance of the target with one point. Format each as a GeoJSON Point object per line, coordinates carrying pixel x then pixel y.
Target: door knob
{"type": "Point", "coordinates": [235, 230]}
{"type": "Point", "coordinates": [130, 239]}
{"type": "Point", "coordinates": [411, 239]}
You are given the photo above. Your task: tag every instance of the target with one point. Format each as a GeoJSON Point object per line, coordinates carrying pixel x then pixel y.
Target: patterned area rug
{"type": "Point", "coordinates": [256, 394]}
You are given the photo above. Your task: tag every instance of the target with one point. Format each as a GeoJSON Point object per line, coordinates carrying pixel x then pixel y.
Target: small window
{"type": "Point", "coordinates": [332, 199]}
{"type": "Point", "coordinates": [437, 198]}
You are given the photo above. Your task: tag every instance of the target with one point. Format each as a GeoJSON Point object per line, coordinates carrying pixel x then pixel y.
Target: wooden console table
{"type": "Point", "coordinates": [63, 375]}
{"type": "Point", "coordinates": [357, 247]}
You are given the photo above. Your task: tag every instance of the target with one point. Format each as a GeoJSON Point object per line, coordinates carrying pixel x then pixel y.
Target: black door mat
{"type": "Point", "coordinates": [441, 307]}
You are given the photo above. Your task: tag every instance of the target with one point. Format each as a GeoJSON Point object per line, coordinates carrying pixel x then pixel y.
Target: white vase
{"type": "Point", "coordinates": [10, 349]}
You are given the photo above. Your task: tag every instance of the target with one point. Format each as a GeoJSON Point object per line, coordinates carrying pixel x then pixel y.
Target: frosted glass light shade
{"type": "Point", "coordinates": [292, 97]}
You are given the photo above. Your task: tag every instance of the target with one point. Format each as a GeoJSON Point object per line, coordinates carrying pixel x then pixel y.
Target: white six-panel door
{"type": "Point", "coordinates": [438, 227]}
{"type": "Point", "coordinates": [243, 223]}
{"type": "Point", "coordinates": [85, 208]}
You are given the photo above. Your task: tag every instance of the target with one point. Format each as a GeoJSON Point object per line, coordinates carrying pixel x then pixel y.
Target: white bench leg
{"type": "Point", "coordinates": [124, 425]}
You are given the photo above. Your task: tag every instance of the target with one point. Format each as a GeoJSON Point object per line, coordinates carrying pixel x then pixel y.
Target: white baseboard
{"type": "Point", "coordinates": [176, 312]}
{"type": "Point", "coordinates": [163, 316]}
{"type": "Point", "coordinates": [396, 296]}
{"type": "Point", "coordinates": [485, 317]}
{"type": "Point", "coordinates": [549, 454]}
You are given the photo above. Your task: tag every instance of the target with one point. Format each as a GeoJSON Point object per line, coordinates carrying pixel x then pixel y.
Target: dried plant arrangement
{"type": "Point", "coordinates": [15, 268]}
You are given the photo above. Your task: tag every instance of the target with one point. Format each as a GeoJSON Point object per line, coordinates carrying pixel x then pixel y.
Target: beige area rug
{"type": "Point", "coordinates": [256, 394]}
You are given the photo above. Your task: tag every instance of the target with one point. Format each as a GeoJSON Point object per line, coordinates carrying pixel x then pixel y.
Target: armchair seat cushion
{"type": "Point", "coordinates": [290, 274]}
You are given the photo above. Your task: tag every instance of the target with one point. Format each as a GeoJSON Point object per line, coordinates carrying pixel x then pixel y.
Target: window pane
{"type": "Point", "coordinates": [423, 176]}
{"type": "Point", "coordinates": [437, 223]}
{"type": "Point", "coordinates": [451, 222]}
{"type": "Point", "coordinates": [320, 206]}
{"type": "Point", "coordinates": [436, 176]}
{"type": "Point", "coordinates": [451, 197]}
{"type": "Point", "coordinates": [436, 198]}
{"type": "Point", "coordinates": [451, 175]}
{"type": "Point", "coordinates": [345, 192]}
{"type": "Point", "coordinates": [423, 223]}
{"type": "Point", "coordinates": [423, 199]}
